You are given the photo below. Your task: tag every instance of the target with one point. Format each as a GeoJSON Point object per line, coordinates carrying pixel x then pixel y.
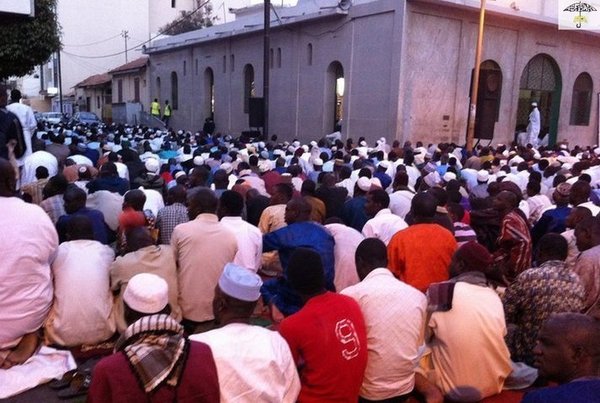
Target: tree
{"type": "Point", "coordinates": [198, 18]}
{"type": "Point", "coordinates": [27, 42]}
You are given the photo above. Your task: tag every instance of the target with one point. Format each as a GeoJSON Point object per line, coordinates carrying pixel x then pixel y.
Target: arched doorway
{"type": "Point", "coordinates": [209, 93]}
{"type": "Point", "coordinates": [249, 89]}
{"type": "Point", "coordinates": [489, 92]}
{"type": "Point", "coordinates": [541, 82]}
{"type": "Point", "coordinates": [334, 96]}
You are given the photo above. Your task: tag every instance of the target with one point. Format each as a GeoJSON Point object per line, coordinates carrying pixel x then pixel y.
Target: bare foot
{"type": "Point", "coordinates": [24, 350]}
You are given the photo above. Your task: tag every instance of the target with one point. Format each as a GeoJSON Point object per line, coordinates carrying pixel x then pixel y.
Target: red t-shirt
{"type": "Point", "coordinates": [328, 340]}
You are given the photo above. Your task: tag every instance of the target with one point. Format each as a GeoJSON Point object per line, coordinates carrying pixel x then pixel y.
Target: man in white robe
{"type": "Point", "coordinates": [535, 123]}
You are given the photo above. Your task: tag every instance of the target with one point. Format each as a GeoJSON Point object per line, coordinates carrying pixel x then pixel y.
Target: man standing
{"type": "Point", "coordinates": [155, 108]}
{"type": "Point", "coordinates": [327, 336]}
{"type": "Point", "coordinates": [254, 364]}
{"type": "Point", "coordinates": [394, 311]}
{"type": "Point", "coordinates": [300, 232]}
{"type": "Point", "coordinates": [537, 293]}
{"type": "Point", "coordinates": [535, 123]}
{"type": "Point", "coordinates": [11, 131]}
{"type": "Point", "coordinates": [167, 113]}
{"type": "Point", "coordinates": [202, 246]}
{"type": "Point", "coordinates": [27, 120]}
{"type": "Point", "coordinates": [568, 352]}
{"type": "Point", "coordinates": [153, 361]}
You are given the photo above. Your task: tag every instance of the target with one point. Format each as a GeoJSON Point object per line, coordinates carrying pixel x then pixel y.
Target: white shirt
{"type": "Point", "coordinates": [122, 170]}
{"type": "Point", "coordinates": [109, 203]}
{"type": "Point", "coordinates": [80, 159]}
{"type": "Point", "coordinates": [348, 184]}
{"type": "Point", "coordinates": [82, 308]}
{"type": "Point", "coordinates": [590, 206]}
{"type": "Point", "coordinates": [154, 200]}
{"type": "Point", "coordinates": [346, 240]}
{"type": "Point", "coordinates": [28, 242]}
{"type": "Point", "coordinates": [394, 315]}
{"type": "Point", "coordinates": [35, 160]}
{"type": "Point", "coordinates": [249, 239]}
{"type": "Point", "coordinates": [254, 364]}
{"type": "Point", "coordinates": [28, 123]}
{"type": "Point", "coordinates": [537, 205]}
{"type": "Point", "coordinates": [400, 202]}
{"type": "Point", "coordinates": [473, 362]}
{"type": "Point", "coordinates": [383, 226]}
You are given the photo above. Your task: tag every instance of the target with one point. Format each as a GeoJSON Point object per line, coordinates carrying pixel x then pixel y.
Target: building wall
{"type": "Point", "coordinates": [128, 80]}
{"type": "Point", "coordinates": [300, 100]}
{"type": "Point", "coordinates": [440, 57]}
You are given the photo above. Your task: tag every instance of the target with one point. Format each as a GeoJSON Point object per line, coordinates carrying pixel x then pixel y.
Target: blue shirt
{"type": "Point", "coordinates": [551, 221]}
{"type": "Point", "coordinates": [96, 217]}
{"type": "Point", "coordinates": [306, 234]}
{"type": "Point", "coordinates": [353, 213]}
{"type": "Point", "coordinates": [587, 391]}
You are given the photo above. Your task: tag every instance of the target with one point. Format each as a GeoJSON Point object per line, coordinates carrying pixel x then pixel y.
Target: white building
{"type": "Point", "coordinates": [406, 69]}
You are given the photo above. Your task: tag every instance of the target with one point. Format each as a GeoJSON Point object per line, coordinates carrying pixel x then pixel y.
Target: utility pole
{"type": "Point", "coordinates": [475, 86]}
{"type": "Point", "coordinates": [266, 46]}
{"type": "Point", "coordinates": [60, 93]}
{"type": "Point", "coordinates": [125, 35]}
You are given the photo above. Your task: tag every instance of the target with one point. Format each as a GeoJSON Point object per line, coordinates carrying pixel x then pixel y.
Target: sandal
{"type": "Point", "coordinates": [79, 386]}
{"type": "Point", "coordinates": [64, 381]}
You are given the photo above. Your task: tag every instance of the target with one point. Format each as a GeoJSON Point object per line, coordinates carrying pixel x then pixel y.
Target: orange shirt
{"type": "Point", "coordinates": [420, 254]}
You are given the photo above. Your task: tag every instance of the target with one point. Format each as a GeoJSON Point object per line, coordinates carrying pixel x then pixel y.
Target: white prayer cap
{"type": "Point", "coordinates": [179, 174]}
{"type": "Point", "coordinates": [516, 160]}
{"type": "Point", "coordinates": [483, 176]}
{"type": "Point", "coordinates": [198, 160]}
{"type": "Point", "coordinates": [146, 293]}
{"type": "Point", "coordinates": [240, 283]}
{"type": "Point", "coordinates": [296, 143]}
{"type": "Point", "coordinates": [152, 165]}
{"type": "Point", "coordinates": [313, 143]}
{"type": "Point", "coordinates": [305, 148]}
{"type": "Point", "coordinates": [245, 172]}
{"type": "Point", "coordinates": [500, 174]}
{"type": "Point", "coordinates": [261, 144]}
{"type": "Point", "coordinates": [318, 161]}
{"type": "Point", "coordinates": [227, 167]}
{"type": "Point", "coordinates": [363, 143]}
{"type": "Point", "coordinates": [448, 176]}
{"type": "Point", "coordinates": [384, 164]}
{"type": "Point", "coordinates": [432, 179]}
{"type": "Point", "coordinates": [597, 150]}
{"type": "Point", "coordinates": [265, 166]}
{"type": "Point", "coordinates": [180, 132]}
{"type": "Point", "coordinates": [534, 104]}
{"type": "Point", "coordinates": [364, 183]}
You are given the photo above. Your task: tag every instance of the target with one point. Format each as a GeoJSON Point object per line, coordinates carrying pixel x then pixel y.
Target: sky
{"type": "Point", "coordinates": [221, 7]}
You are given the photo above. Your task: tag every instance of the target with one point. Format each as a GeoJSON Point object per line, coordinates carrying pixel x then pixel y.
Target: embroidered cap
{"type": "Point", "coordinates": [146, 293]}
{"type": "Point", "coordinates": [240, 283]}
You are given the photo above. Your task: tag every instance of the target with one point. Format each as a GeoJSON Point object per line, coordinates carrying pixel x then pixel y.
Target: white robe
{"type": "Point", "coordinates": [533, 128]}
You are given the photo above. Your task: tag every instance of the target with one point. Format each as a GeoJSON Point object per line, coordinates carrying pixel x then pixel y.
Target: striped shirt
{"type": "Point", "coordinates": [463, 233]}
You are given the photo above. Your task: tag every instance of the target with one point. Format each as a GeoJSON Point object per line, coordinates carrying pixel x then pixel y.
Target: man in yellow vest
{"type": "Point", "coordinates": [155, 109]}
{"type": "Point", "coordinates": [167, 113]}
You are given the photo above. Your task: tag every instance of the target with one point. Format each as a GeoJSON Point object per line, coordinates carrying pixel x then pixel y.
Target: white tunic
{"type": "Point", "coordinates": [249, 238]}
{"type": "Point", "coordinates": [253, 364]}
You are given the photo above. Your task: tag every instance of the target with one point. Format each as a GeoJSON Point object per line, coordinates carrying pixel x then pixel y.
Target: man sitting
{"type": "Point", "coordinates": [327, 336]}
{"type": "Point", "coordinates": [394, 315]}
{"type": "Point", "coordinates": [75, 199]}
{"type": "Point", "coordinates": [28, 243]}
{"type": "Point", "coordinates": [568, 352]}
{"type": "Point", "coordinates": [254, 364]}
{"type": "Point", "coordinates": [82, 308]}
{"type": "Point", "coordinates": [153, 360]}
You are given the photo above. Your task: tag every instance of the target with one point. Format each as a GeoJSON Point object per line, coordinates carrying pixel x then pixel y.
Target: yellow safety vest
{"type": "Point", "coordinates": [167, 110]}
{"type": "Point", "coordinates": [155, 108]}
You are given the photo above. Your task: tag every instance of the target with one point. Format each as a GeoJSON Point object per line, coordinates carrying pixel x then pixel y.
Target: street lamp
{"type": "Point", "coordinates": [475, 86]}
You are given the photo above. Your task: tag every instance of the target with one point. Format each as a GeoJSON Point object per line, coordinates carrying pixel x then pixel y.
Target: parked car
{"type": "Point", "coordinates": [87, 118]}
{"type": "Point", "coordinates": [53, 117]}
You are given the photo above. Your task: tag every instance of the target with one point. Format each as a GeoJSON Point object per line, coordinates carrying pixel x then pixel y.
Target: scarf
{"type": "Point", "coordinates": [155, 348]}
{"type": "Point", "coordinates": [439, 295]}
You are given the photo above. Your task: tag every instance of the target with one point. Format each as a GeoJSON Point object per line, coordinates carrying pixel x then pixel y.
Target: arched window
{"type": "Point", "coordinates": [581, 102]}
{"type": "Point", "coordinates": [174, 91]}
{"type": "Point", "coordinates": [248, 86]}
{"type": "Point", "coordinates": [334, 96]}
{"type": "Point", "coordinates": [271, 58]}
{"type": "Point", "coordinates": [309, 54]}
{"type": "Point", "coordinates": [232, 63]}
{"type": "Point", "coordinates": [278, 58]}
{"type": "Point", "coordinates": [209, 93]}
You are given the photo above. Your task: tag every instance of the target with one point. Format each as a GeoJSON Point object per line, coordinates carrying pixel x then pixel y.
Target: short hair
{"type": "Point", "coordinates": [79, 227]}
{"type": "Point", "coordinates": [553, 247]}
{"type": "Point", "coordinates": [372, 250]}
{"type": "Point", "coordinates": [456, 210]}
{"type": "Point", "coordinates": [285, 189]}
{"type": "Point", "coordinates": [423, 205]}
{"type": "Point", "coordinates": [233, 202]}
{"type": "Point", "coordinates": [305, 271]}
{"type": "Point", "coordinates": [380, 197]}
{"type": "Point", "coordinates": [41, 172]}
{"type": "Point", "coordinates": [441, 196]}
{"type": "Point", "coordinates": [308, 186]}
{"type": "Point", "coordinates": [205, 199]}
{"type": "Point", "coordinates": [534, 186]}
{"type": "Point", "coordinates": [136, 198]}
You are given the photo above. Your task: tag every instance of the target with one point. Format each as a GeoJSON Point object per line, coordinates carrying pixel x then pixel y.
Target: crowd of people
{"type": "Point", "coordinates": [385, 271]}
